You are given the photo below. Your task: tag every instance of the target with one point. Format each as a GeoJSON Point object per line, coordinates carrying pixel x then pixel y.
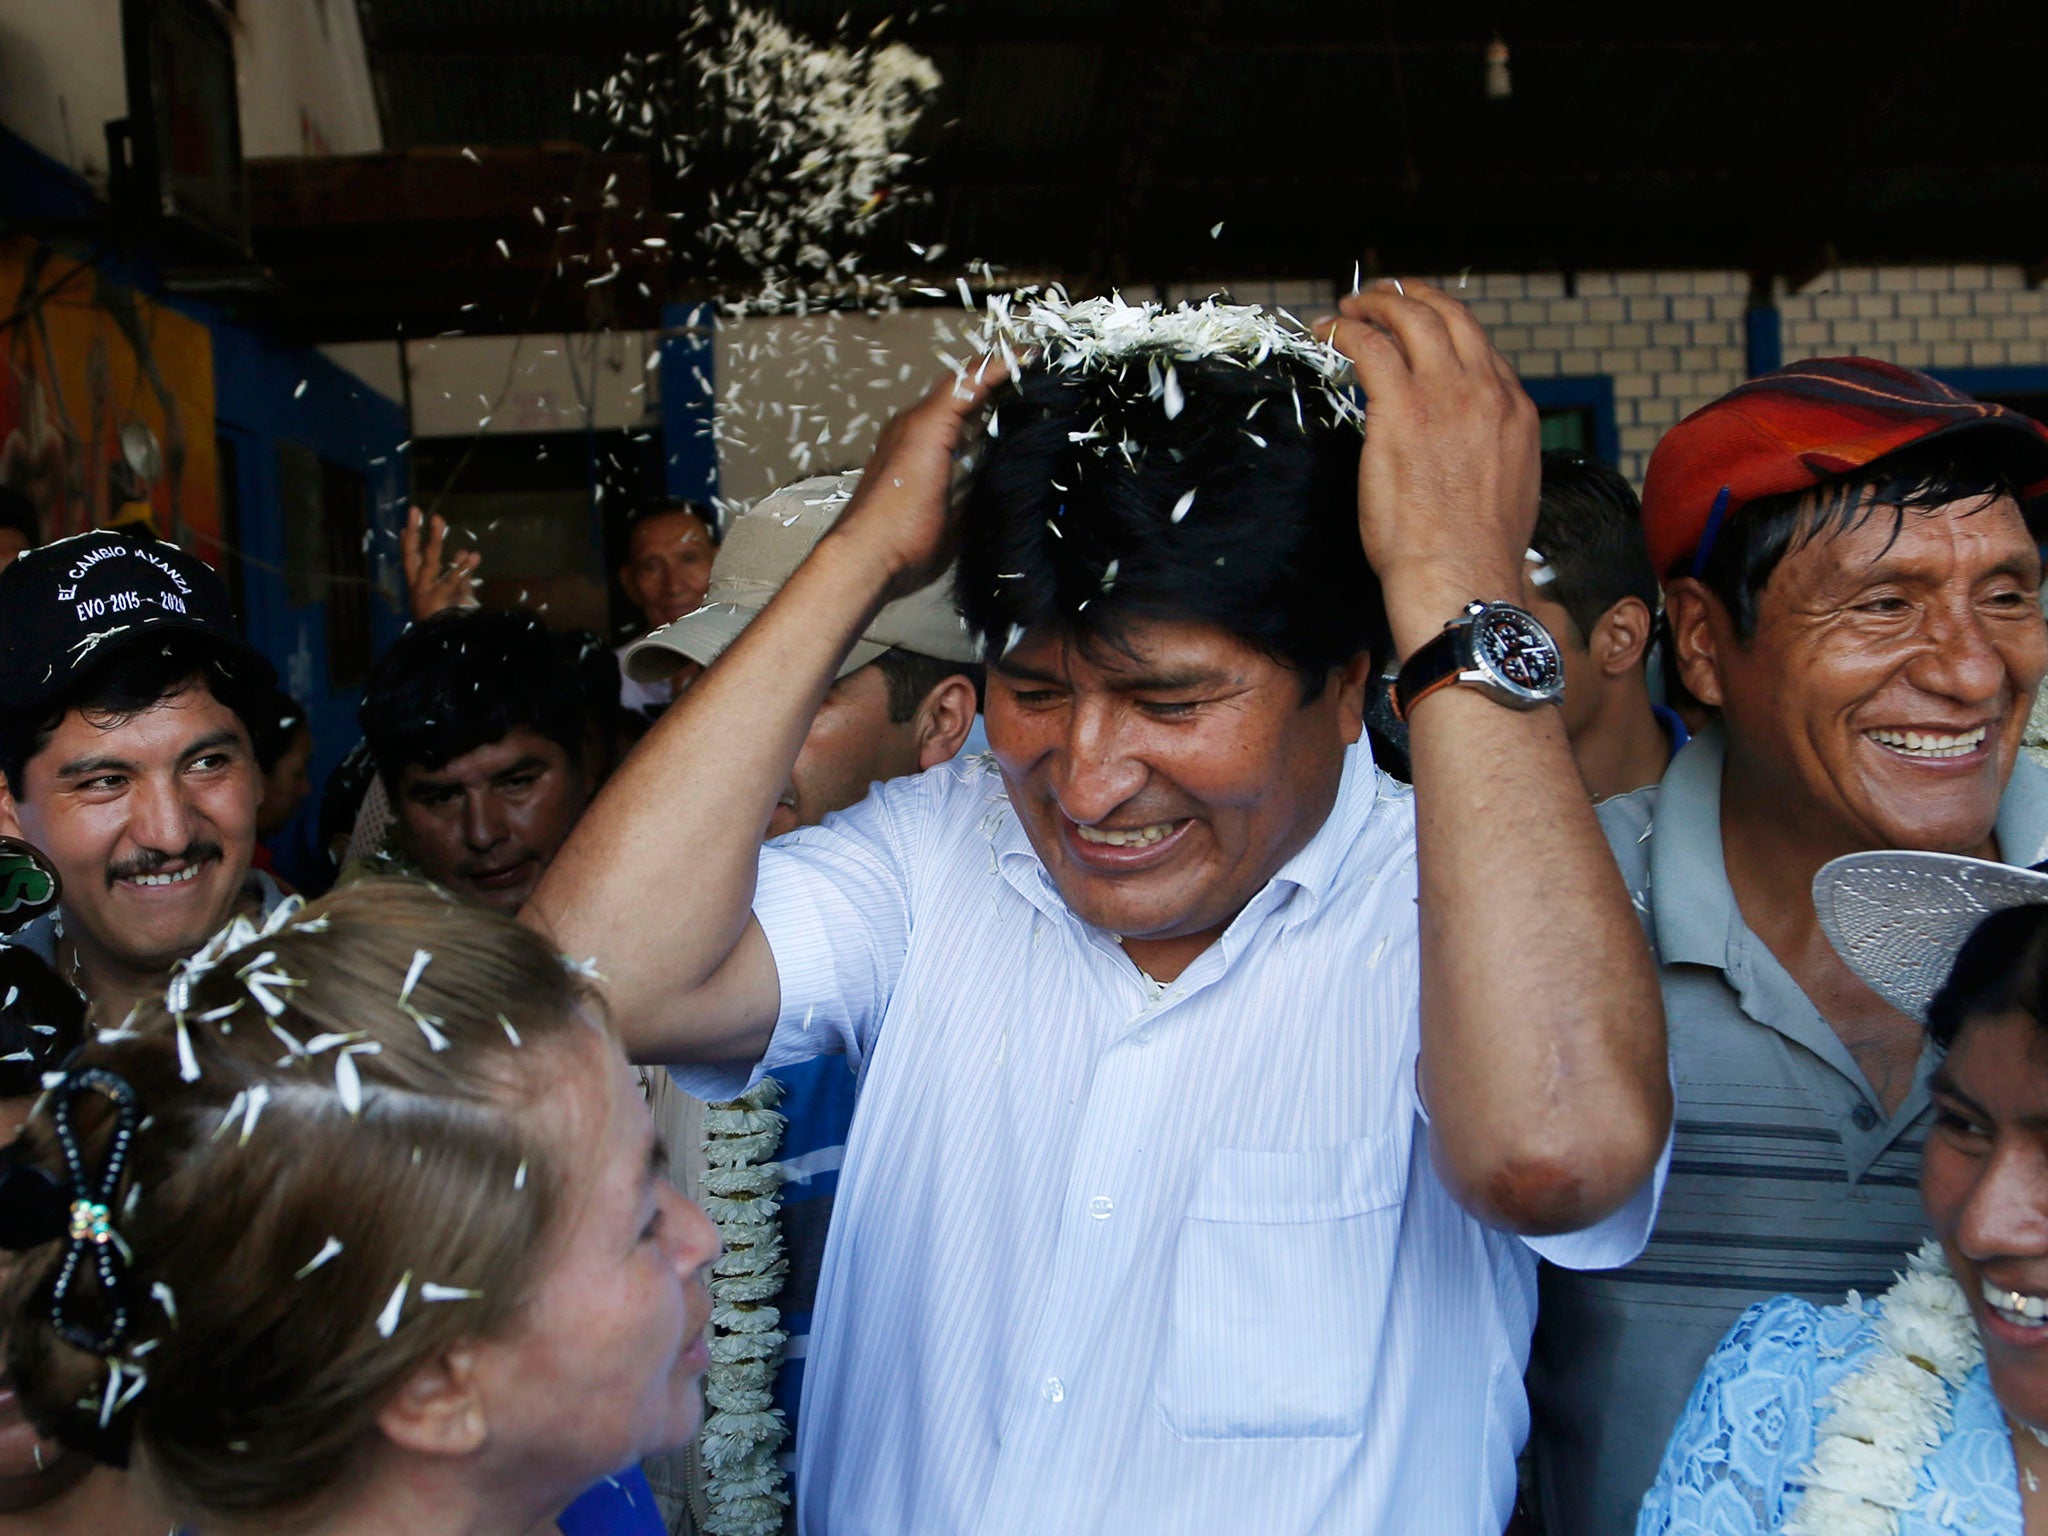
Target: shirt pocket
{"type": "Point", "coordinates": [1280, 1290]}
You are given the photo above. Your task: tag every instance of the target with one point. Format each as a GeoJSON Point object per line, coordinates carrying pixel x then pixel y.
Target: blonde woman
{"type": "Point", "coordinates": [359, 1230]}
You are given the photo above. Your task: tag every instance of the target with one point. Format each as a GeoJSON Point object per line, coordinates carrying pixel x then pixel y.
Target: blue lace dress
{"type": "Point", "coordinates": [1749, 1427]}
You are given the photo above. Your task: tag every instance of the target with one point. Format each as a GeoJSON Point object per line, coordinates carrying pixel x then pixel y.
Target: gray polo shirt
{"type": "Point", "coordinates": [1786, 1173]}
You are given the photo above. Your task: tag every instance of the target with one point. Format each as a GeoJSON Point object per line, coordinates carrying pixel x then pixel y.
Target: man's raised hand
{"type": "Point", "coordinates": [1448, 480]}
{"type": "Point", "coordinates": [430, 586]}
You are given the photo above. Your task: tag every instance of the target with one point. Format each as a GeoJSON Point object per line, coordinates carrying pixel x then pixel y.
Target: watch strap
{"type": "Point", "coordinates": [1435, 664]}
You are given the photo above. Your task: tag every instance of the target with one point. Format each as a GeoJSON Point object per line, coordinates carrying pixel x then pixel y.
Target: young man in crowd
{"type": "Point", "coordinates": [1589, 579]}
{"type": "Point", "coordinates": [903, 701]}
{"type": "Point", "coordinates": [125, 697]}
{"type": "Point", "coordinates": [670, 546]}
{"type": "Point", "coordinates": [1185, 1182]}
{"type": "Point", "coordinates": [1853, 584]}
{"type": "Point", "coordinates": [489, 744]}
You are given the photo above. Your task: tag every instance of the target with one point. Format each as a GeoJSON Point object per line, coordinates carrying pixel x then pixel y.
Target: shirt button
{"type": "Point", "coordinates": [1863, 1117]}
{"type": "Point", "coordinates": [1054, 1390]}
{"type": "Point", "coordinates": [1100, 1207]}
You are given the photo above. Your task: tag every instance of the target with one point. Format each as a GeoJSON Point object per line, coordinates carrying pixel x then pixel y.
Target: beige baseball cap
{"type": "Point", "coordinates": [761, 550]}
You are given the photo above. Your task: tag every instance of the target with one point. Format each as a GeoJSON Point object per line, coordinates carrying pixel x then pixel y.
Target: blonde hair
{"type": "Point", "coordinates": [302, 1243]}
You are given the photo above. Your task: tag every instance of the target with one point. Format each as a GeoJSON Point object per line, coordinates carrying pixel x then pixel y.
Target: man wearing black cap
{"type": "Point", "coordinates": [124, 691]}
{"type": "Point", "coordinates": [1853, 582]}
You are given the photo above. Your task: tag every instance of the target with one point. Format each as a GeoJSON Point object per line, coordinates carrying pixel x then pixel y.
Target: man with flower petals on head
{"type": "Point", "coordinates": [1205, 1142]}
{"type": "Point", "coordinates": [1852, 578]}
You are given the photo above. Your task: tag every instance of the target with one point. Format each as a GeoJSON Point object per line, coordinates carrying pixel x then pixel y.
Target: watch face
{"type": "Point", "coordinates": [1518, 650]}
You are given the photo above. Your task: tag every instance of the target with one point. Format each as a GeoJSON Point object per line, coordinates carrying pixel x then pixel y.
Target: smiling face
{"type": "Point", "coordinates": [486, 824]}
{"type": "Point", "coordinates": [606, 1363]}
{"type": "Point", "coordinates": [1884, 691]}
{"type": "Point", "coordinates": [150, 820]}
{"type": "Point", "coordinates": [1984, 1180]}
{"type": "Point", "coordinates": [1164, 787]}
{"type": "Point", "coordinates": [668, 566]}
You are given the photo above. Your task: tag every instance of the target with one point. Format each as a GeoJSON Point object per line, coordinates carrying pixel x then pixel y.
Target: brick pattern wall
{"type": "Point", "coordinates": [1672, 341]}
{"type": "Point", "coordinates": [1924, 317]}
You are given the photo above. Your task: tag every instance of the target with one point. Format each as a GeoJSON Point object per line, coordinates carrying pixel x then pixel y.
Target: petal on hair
{"type": "Point", "coordinates": [421, 959]}
{"type": "Point", "coordinates": [432, 1292]}
{"type": "Point", "coordinates": [188, 1064]}
{"type": "Point", "coordinates": [387, 1320]}
{"type": "Point", "coordinates": [348, 1083]}
{"type": "Point", "coordinates": [328, 1250]}
{"type": "Point", "coordinates": [258, 1097]}
{"type": "Point", "coordinates": [1180, 508]}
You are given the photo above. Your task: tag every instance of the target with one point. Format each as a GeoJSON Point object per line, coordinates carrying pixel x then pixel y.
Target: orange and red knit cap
{"type": "Point", "coordinates": [1806, 424]}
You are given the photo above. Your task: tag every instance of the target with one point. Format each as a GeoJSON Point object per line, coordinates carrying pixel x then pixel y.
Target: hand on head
{"type": "Point", "coordinates": [1448, 481]}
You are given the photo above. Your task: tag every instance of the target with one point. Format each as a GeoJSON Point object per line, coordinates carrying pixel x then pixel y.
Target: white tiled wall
{"type": "Point", "coordinates": [1672, 341]}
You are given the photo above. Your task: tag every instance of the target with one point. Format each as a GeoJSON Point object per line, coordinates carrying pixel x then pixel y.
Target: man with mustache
{"type": "Point", "coordinates": [125, 691]}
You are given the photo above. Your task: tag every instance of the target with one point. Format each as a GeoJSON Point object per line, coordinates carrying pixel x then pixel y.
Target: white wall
{"type": "Point", "coordinates": [304, 78]}
{"type": "Point", "coordinates": [500, 384]}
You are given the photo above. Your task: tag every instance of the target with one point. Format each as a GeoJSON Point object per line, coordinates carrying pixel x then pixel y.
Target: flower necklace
{"type": "Point", "coordinates": [746, 1489]}
{"type": "Point", "coordinates": [1886, 1417]}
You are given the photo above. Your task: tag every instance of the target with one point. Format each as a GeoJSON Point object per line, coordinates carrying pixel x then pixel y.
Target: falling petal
{"type": "Point", "coordinates": [1180, 508]}
{"type": "Point", "coordinates": [188, 1064]}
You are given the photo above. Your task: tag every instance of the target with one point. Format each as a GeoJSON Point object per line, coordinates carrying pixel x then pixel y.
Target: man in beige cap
{"type": "Point", "coordinates": [904, 700]}
{"type": "Point", "coordinates": [906, 695]}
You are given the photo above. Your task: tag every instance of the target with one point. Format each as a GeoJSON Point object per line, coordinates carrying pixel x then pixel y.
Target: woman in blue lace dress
{"type": "Point", "coordinates": [1922, 1412]}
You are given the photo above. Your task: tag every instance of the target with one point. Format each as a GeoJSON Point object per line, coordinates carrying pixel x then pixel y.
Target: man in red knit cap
{"type": "Point", "coordinates": [1852, 576]}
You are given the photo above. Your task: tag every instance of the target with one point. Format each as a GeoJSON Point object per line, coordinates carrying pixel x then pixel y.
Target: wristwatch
{"type": "Point", "coordinates": [1499, 649]}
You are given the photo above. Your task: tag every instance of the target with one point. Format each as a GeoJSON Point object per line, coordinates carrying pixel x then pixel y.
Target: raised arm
{"type": "Point", "coordinates": [1543, 1064]}
{"type": "Point", "coordinates": [657, 881]}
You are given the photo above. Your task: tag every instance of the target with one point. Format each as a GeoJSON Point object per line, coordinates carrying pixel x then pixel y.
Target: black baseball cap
{"type": "Point", "coordinates": [67, 607]}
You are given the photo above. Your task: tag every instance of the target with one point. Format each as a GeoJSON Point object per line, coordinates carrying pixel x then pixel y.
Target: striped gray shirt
{"type": "Point", "coordinates": [1786, 1173]}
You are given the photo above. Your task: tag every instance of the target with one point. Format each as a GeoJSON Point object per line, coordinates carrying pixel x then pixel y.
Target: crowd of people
{"type": "Point", "coordinates": [1171, 955]}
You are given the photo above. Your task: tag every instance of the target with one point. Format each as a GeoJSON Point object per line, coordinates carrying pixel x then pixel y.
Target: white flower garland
{"type": "Point", "coordinates": [1888, 1415]}
{"type": "Point", "coordinates": [746, 1489]}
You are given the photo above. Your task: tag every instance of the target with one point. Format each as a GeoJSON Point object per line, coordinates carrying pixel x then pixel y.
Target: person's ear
{"type": "Point", "coordinates": [943, 721]}
{"type": "Point", "coordinates": [1352, 683]}
{"type": "Point", "coordinates": [10, 821]}
{"type": "Point", "coordinates": [1622, 637]}
{"type": "Point", "coordinates": [1699, 631]}
{"type": "Point", "coordinates": [439, 1411]}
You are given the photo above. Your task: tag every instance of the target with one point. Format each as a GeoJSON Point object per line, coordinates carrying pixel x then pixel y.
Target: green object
{"type": "Point", "coordinates": [29, 886]}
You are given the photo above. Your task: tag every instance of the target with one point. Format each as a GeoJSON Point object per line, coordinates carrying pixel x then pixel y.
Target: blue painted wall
{"type": "Point", "coordinates": [258, 405]}
{"type": "Point", "coordinates": [689, 396]}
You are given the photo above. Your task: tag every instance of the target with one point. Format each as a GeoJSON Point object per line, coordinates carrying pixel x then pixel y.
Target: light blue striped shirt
{"type": "Point", "coordinates": [1110, 1259]}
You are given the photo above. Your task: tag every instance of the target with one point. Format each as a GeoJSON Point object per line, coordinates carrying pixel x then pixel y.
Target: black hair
{"type": "Point", "coordinates": [2001, 968]}
{"type": "Point", "coordinates": [277, 723]}
{"type": "Point", "coordinates": [1059, 536]}
{"type": "Point", "coordinates": [466, 678]}
{"type": "Point", "coordinates": [662, 506]}
{"type": "Point", "coordinates": [133, 679]}
{"type": "Point", "coordinates": [42, 1021]}
{"type": "Point", "coordinates": [1918, 478]}
{"type": "Point", "coordinates": [342, 800]}
{"type": "Point", "coordinates": [19, 513]}
{"type": "Point", "coordinates": [1589, 530]}
{"type": "Point", "coordinates": [912, 676]}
